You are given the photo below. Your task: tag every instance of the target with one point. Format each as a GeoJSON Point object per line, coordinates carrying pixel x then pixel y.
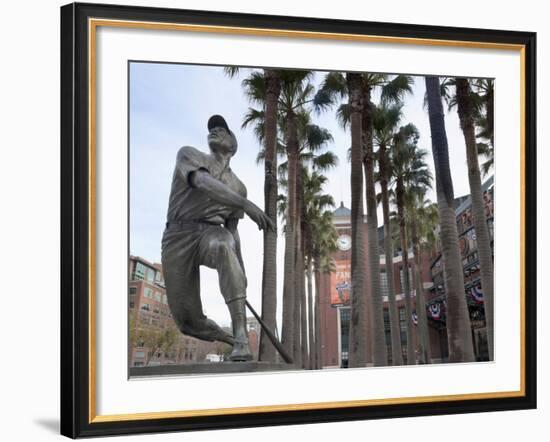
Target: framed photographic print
{"type": "Point", "coordinates": [274, 220]}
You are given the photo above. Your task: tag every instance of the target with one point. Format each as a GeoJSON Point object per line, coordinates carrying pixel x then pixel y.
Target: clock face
{"type": "Point", "coordinates": [343, 242]}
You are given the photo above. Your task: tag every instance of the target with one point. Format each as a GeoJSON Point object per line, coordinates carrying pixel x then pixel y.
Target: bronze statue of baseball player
{"type": "Point", "coordinates": [206, 202]}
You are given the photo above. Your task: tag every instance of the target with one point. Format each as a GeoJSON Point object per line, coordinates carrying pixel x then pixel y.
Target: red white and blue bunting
{"type": "Point", "coordinates": [435, 310]}
{"type": "Point", "coordinates": [477, 294]}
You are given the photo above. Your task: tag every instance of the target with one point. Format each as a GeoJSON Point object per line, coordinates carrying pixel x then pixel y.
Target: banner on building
{"type": "Point", "coordinates": [340, 283]}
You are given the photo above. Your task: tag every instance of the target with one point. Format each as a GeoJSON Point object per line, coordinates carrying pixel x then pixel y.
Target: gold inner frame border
{"type": "Point", "coordinates": [93, 24]}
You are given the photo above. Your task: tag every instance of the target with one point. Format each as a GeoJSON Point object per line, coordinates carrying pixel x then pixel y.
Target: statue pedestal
{"type": "Point", "coordinates": [209, 368]}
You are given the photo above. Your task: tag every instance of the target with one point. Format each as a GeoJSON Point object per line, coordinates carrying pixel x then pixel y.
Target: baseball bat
{"type": "Point", "coordinates": [271, 336]}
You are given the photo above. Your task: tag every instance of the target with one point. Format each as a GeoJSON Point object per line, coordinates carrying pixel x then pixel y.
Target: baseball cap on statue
{"type": "Point", "coordinates": [217, 121]}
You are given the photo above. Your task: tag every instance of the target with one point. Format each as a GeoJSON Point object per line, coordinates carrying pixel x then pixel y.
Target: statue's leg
{"type": "Point", "coordinates": [241, 350]}
{"type": "Point", "coordinates": [217, 251]}
{"type": "Point", "coordinates": [182, 279]}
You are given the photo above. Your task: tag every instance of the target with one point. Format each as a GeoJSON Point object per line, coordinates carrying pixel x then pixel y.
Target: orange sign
{"type": "Point", "coordinates": [340, 283]}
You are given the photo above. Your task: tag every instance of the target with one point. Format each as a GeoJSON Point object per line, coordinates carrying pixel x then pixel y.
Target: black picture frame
{"type": "Point", "coordinates": [76, 420]}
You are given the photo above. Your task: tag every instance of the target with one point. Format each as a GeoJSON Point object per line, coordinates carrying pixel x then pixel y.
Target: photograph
{"type": "Point", "coordinates": [287, 219]}
{"type": "Point", "coordinates": [275, 221]}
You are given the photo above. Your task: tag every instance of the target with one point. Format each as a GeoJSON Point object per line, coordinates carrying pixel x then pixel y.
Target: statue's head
{"type": "Point", "coordinates": [220, 137]}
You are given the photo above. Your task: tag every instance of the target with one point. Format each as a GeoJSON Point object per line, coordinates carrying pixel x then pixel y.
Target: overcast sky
{"type": "Point", "coordinates": [169, 107]}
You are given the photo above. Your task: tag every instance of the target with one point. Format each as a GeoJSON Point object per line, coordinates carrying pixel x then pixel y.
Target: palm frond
{"type": "Point", "coordinates": [325, 161]}
{"type": "Point", "coordinates": [256, 118]}
{"type": "Point", "coordinates": [255, 87]}
{"type": "Point", "coordinates": [231, 71]}
{"type": "Point", "coordinates": [333, 89]}
{"type": "Point", "coordinates": [343, 115]}
{"type": "Point", "coordinates": [316, 137]}
{"type": "Point", "coordinates": [395, 90]}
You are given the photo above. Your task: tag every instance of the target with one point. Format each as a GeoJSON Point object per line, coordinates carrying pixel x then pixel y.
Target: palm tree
{"type": "Point", "coordinates": [416, 214]}
{"type": "Point", "coordinates": [358, 343]}
{"type": "Point", "coordinates": [311, 139]}
{"type": "Point", "coordinates": [458, 319]}
{"type": "Point", "coordinates": [466, 104]}
{"type": "Point", "coordinates": [379, 348]}
{"type": "Point", "coordinates": [410, 172]}
{"type": "Point", "coordinates": [334, 87]}
{"type": "Point", "coordinates": [269, 269]}
{"type": "Point", "coordinates": [315, 206]}
{"type": "Point", "coordinates": [391, 91]}
{"type": "Point", "coordinates": [295, 92]}
{"type": "Point", "coordinates": [263, 88]}
{"type": "Point", "coordinates": [300, 319]}
{"type": "Point", "coordinates": [385, 121]}
{"type": "Point", "coordinates": [324, 238]}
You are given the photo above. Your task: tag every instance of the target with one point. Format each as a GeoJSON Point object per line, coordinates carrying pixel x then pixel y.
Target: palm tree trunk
{"type": "Point", "coordinates": [318, 334]}
{"type": "Point", "coordinates": [483, 238]}
{"type": "Point", "coordinates": [378, 335]}
{"type": "Point", "coordinates": [459, 332]}
{"type": "Point", "coordinates": [411, 358]}
{"type": "Point", "coordinates": [310, 318]}
{"type": "Point", "coordinates": [269, 272]}
{"type": "Point", "coordinates": [395, 332]}
{"type": "Point", "coordinates": [298, 307]}
{"type": "Point", "coordinates": [288, 330]}
{"type": "Point", "coordinates": [300, 344]}
{"type": "Point", "coordinates": [422, 321]}
{"type": "Point", "coordinates": [490, 104]}
{"type": "Point", "coordinates": [357, 333]}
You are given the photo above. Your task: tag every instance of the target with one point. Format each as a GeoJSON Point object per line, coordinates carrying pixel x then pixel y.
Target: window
{"type": "Point", "coordinates": [150, 275]}
{"type": "Point", "coordinates": [164, 299]}
{"type": "Point", "coordinates": [157, 296]}
{"type": "Point", "coordinates": [146, 307]}
{"type": "Point", "coordinates": [143, 271]}
{"type": "Point", "coordinates": [133, 290]}
{"type": "Point", "coordinates": [402, 319]}
{"type": "Point", "coordinates": [403, 329]}
{"type": "Point", "coordinates": [345, 314]}
{"type": "Point", "coordinates": [147, 292]}
{"type": "Point", "coordinates": [140, 271]}
{"type": "Point", "coordinates": [402, 278]}
{"type": "Point", "coordinates": [384, 283]}
{"type": "Point", "coordinates": [139, 354]}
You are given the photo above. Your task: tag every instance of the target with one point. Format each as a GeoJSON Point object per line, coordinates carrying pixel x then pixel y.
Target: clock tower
{"type": "Point", "coordinates": [335, 294]}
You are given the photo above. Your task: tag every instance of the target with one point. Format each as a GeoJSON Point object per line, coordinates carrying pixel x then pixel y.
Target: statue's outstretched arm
{"type": "Point", "coordinates": [221, 193]}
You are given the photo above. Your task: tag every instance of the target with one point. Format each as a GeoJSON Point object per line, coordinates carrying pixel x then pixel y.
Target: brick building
{"type": "Point", "coordinates": [470, 264]}
{"type": "Point", "coordinates": [154, 337]}
{"type": "Point", "coordinates": [335, 290]}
